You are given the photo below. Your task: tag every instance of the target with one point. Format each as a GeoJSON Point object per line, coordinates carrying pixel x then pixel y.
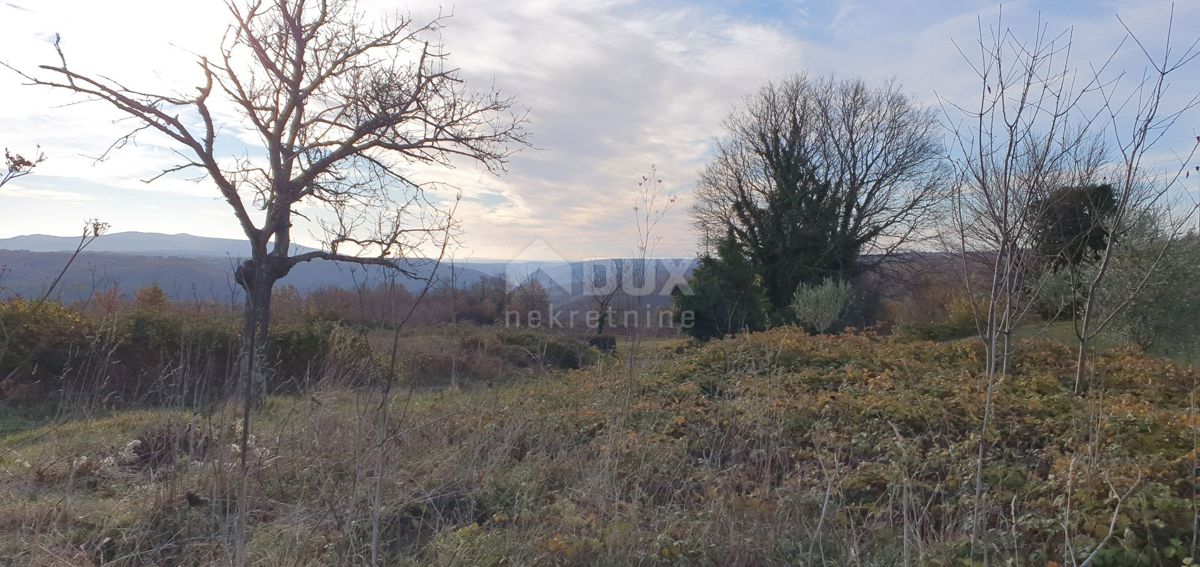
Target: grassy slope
{"type": "Point", "coordinates": [734, 453]}
{"type": "Point", "coordinates": [1064, 332]}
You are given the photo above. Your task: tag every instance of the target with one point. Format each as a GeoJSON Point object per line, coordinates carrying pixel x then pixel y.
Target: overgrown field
{"type": "Point", "coordinates": [775, 448]}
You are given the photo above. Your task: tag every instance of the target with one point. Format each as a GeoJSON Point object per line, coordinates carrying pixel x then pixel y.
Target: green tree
{"type": "Point", "coordinates": [1151, 295]}
{"type": "Point", "coordinates": [1069, 224]}
{"type": "Point", "coordinates": [727, 295]}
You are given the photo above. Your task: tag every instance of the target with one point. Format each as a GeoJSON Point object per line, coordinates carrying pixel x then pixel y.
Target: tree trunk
{"type": "Point", "coordinates": [257, 279]}
{"type": "Point", "coordinates": [255, 335]}
{"type": "Point", "coordinates": [1082, 333]}
{"type": "Point", "coordinates": [1081, 367]}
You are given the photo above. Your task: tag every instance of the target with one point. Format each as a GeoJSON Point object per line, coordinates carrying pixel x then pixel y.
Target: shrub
{"type": "Point", "coordinates": [38, 338]}
{"type": "Point", "coordinates": [818, 308]}
{"type": "Point", "coordinates": [461, 353]}
{"type": "Point", "coordinates": [550, 350]}
{"type": "Point", "coordinates": [603, 344]}
{"type": "Point", "coordinates": [295, 349]}
{"type": "Point", "coordinates": [145, 334]}
{"type": "Point", "coordinates": [1164, 316]}
{"type": "Point", "coordinates": [1158, 296]}
{"type": "Point", "coordinates": [151, 352]}
{"type": "Point", "coordinates": [150, 329]}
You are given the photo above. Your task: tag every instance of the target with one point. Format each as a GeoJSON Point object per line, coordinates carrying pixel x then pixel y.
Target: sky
{"type": "Point", "coordinates": [612, 87]}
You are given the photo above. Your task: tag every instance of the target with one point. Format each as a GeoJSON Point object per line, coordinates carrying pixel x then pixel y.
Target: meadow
{"type": "Point", "coordinates": [776, 448]}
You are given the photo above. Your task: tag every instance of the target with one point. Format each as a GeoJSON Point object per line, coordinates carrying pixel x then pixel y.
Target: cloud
{"type": "Point", "coordinates": [612, 86]}
{"type": "Point", "coordinates": [28, 193]}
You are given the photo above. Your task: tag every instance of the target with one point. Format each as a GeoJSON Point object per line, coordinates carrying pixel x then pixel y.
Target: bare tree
{"type": "Point", "coordinates": [1012, 148]}
{"type": "Point", "coordinates": [1040, 125]}
{"type": "Point", "coordinates": [340, 109]}
{"type": "Point", "coordinates": [654, 201]}
{"type": "Point", "coordinates": [625, 283]}
{"type": "Point", "coordinates": [530, 300]}
{"type": "Point", "coordinates": [814, 174]}
{"type": "Point", "coordinates": [453, 291]}
{"type": "Point", "coordinates": [1138, 120]}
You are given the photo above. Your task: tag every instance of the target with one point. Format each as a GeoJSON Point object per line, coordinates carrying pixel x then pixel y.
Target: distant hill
{"type": "Point", "coordinates": [141, 243]}
{"type": "Point", "coordinates": [190, 267]}
{"type": "Point", "coordinates": [182, 278]}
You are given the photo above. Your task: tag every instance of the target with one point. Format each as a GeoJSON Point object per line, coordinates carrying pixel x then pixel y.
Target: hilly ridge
{"type": "Point", "coordinates": [191, 267]}
{"type": "Point", "coordinates": [143, 243]}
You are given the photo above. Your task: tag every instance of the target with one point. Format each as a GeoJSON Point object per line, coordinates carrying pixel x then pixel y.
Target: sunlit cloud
{"type": "Point", "coordinates": [612, 87]}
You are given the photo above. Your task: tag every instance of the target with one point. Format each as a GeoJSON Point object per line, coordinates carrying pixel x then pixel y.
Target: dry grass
{"type": "Point", "coordinates": [777, 448]}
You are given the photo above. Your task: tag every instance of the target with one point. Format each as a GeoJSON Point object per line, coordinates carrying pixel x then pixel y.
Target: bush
{"type": "Point", "coordinates": [150, 297]}
{"type": "Point", "coordinates": [38, 338]}
{"type": "Point", "coordinates": [151, 352]}
{"type": "Point", "coordinates": [296, 349]}
{"type": "Point", "coordinates": [149, 329]}
{"type": "Point", "coordinates": [305, 342]}
{"type": "Point", "coordinates": [1164, 316]}
{"type": "Point", "coordinates": [550, 350]}
{"type": "Point", "coordinates": [147, 334]}
{"type": "Point", "coordinates": [818, 308]}
{"type": "Point", "coordinates": [463, 353]}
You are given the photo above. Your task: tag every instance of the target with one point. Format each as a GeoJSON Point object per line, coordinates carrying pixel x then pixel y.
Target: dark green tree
{"type": "Point", "coordinates": [1069, 226]}
{"type": "Point", "coordinates": [726, 296]}
{"type": "Point", "coordinates": [793, 236]}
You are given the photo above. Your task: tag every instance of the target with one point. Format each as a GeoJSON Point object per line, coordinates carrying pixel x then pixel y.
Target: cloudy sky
{"type": "Point", "coordinates": [613, 87]}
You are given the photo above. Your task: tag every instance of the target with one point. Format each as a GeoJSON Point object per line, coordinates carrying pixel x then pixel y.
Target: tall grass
{"type": "Point", "coordinates": [776, 448]}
